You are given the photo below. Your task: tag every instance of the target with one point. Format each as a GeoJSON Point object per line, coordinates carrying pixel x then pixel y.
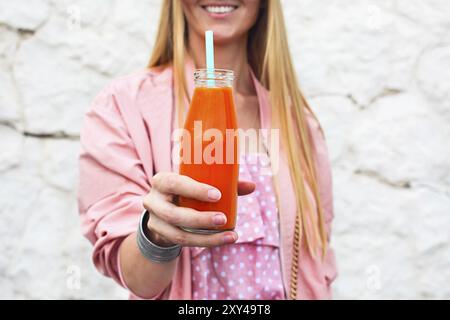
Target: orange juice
{"type": "Point", "coordinates": [213, 156]}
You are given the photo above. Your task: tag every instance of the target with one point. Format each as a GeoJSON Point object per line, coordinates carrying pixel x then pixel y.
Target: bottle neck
{"type": "Point", "coordinates": [214, 78]}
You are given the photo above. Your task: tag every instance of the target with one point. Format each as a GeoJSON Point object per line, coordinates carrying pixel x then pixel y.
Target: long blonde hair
{"type": "Point", "coordinates": [270, 59]}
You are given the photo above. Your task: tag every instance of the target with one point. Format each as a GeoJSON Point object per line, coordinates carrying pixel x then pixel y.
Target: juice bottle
{"type": "Point", "coordinates": [209, 151]}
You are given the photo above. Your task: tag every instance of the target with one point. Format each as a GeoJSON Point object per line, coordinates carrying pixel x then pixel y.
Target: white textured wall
{"type": "Point", "coordinates": [377, 72]}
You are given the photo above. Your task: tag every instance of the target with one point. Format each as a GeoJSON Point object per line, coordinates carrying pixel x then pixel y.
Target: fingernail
{"type": "Point", "coordinates": [214, 194]}
{"type": "Point", "coordinates": [229, 238]}
{"type": "Point", "coordinates": [219, 219]}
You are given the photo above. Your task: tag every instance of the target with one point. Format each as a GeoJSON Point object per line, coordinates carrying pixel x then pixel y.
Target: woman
{"type": "Point", "coordinates": [279, 249]}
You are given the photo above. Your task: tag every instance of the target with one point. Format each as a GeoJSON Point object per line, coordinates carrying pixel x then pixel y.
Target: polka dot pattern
{"type": "Point", "coordinates": [250, 268]}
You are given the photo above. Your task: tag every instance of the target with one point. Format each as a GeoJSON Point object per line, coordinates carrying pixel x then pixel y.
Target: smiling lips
{"type": "Point", "coordinates": [220, 9]}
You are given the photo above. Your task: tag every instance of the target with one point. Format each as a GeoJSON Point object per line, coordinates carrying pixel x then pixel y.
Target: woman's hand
{"type": "Point", "coordinates": [166, 217]}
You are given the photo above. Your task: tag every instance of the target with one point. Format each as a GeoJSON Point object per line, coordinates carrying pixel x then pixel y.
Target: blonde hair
{"type": "Point", "coordinates": [270, 59]}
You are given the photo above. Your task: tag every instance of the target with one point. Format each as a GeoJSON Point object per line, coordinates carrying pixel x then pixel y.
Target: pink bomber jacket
{"type": "Point", "coordinates": [126, 139]}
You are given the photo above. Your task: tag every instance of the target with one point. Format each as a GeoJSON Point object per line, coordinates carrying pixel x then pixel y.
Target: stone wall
{"type": "Point", "coordinates": [377, 73]}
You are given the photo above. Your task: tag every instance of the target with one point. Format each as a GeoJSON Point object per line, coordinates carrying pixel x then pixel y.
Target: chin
{"type": "Point", "coordinates": [223, 35]}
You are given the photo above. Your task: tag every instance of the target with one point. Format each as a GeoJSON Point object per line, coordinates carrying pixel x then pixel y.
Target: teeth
{"type": "Point", "coordinates": [219, 9]}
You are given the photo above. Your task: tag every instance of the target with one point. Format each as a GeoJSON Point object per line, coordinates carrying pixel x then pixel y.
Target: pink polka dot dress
{"type": "Point", "coordinates": [249, 268]}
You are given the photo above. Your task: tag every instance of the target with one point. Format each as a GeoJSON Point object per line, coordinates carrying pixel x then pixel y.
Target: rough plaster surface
{"type": "Point", "coordinates": [377, 73]}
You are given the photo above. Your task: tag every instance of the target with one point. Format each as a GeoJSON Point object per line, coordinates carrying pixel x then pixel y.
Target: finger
{"type": "Point", "coordinates": [181, 216]}
{"type": "Point", "coordinates": [245, 187]}
{"type": "Point", "coordinates": [187, 239]}
{"type": "Point", "coordinates": [176, 184]}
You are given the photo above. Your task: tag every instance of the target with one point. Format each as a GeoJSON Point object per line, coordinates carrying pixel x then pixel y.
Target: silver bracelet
{"type": "Point", "coordinates": [152, 251]}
